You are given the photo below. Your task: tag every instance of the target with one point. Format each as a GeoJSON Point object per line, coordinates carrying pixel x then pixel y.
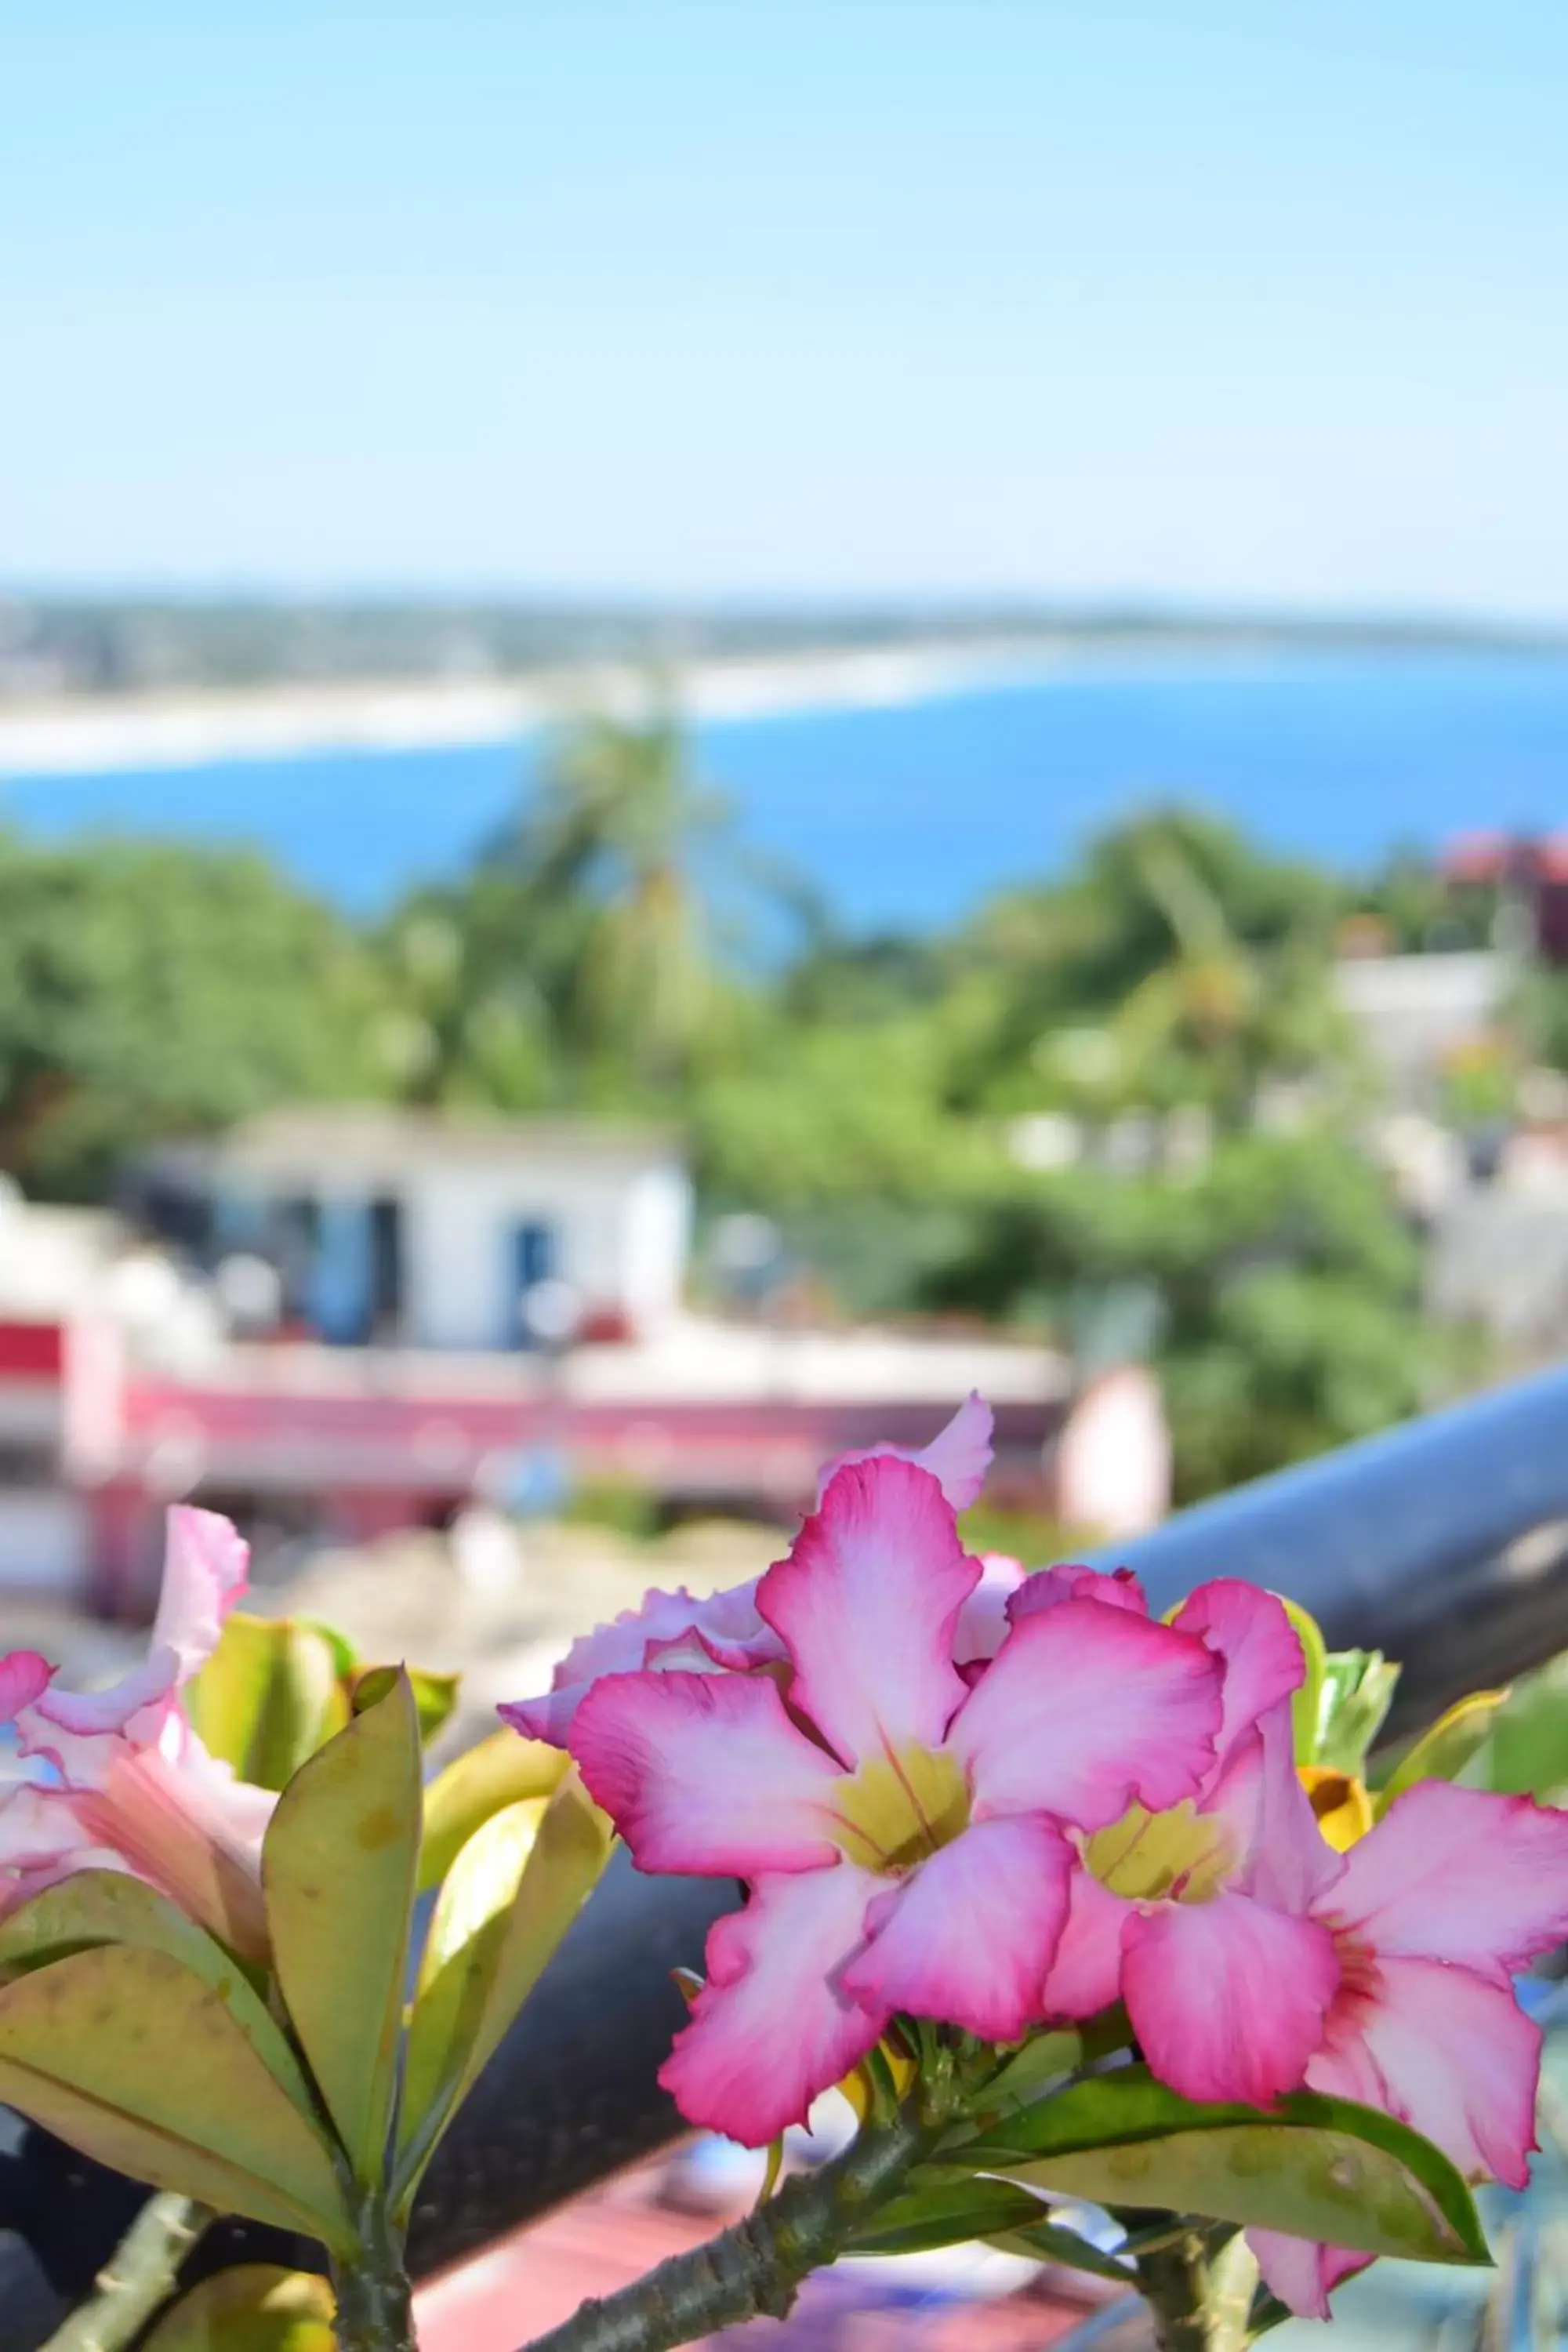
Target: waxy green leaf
{"type": "Point", "coordinates": [948, 2213]}
{"type": "Point", "coordinates": [1314, 2167]}
{"type": "Point", "coordinates": [257, 2307]}
{"type": "Point", "coordinates": [269, 1696]}
{"type": "Point", "coordinates": [1039, 2062]}
{"type": "Point", "coordinates": [1307, 1703]}
{"type": "Point", "coordinates": [1358, 1691]}
{"type": "Point", "coordinates": [108, 1906]}
{"type": "Point", "coordinates": [131, 2057]}
{"type": "Point", "coordinates": [435, 1695]}
{"type": "Point", "coordinates": [1442, 1753]}
{"type": "Point", "coordinates": [1050, 2242]}
{"type": "Point", "coordinates": [338, 1867]}
{"type": "Point", "coordinates": [505, 1903]}
{"type": "Point", "coordinates": [501, 1770]}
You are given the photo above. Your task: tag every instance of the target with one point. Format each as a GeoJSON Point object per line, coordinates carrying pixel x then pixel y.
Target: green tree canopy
{"type": "Point", "coordinates": [147, 990]}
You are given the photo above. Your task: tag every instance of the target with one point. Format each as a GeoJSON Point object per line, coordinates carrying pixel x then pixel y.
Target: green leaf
{"type": "Point", "coordinates": [1048, 2241]}
{"type": "Point", "coordinates": [268, 1697]}
{"type": "Point", "coordinates": [507, 1902]}
{"type": "Point", "coordinates": [1528, 1754]}
{"type": "Point", "coordinates": [1358, 1690]}
{"type": "Point", "coordinates": [255, 2307]}
{"type": "Point", "coordinates": [1039, 2062]}
{"type": "Point", "coordinates": [1306, 1703]}
{"type": "Point", "coordinates": [435, 1695]}
{"type": "Point", "coordinates": [502, 1770]}
{"type": "Point", "coordinates": [107, 1906]}
{"type": "Point", "coordinates": [345, 1657]}
{"type": "Point", "coordinates": [129, 2056]}
{"type": "Point", "coordinates": [1442, 1753]}
{"type": "Point", "coordinates": [948, 2215]}
{"type": "Point", "coordinates": [338, 1866]}
{"type": "Point", "coordinates": [1314, 2167]}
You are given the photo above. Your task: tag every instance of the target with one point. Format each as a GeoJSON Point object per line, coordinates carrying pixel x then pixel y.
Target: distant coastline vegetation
{"type": "Point", "coordinates": [82, 644]}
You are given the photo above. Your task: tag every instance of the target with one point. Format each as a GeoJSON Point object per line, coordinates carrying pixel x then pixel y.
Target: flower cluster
{"type": "Point", "coordinates": [958, 1793]}
{"type": "Point", "coordinates": [119, 1780]}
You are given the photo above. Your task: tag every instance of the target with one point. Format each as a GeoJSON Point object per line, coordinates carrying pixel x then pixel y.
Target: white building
{"type": "Point", "coordinates": [430, 1228]}
{"type": "Point", "coordinates": [1415, 1011]}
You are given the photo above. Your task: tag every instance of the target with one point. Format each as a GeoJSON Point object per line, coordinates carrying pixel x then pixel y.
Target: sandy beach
{"type": "Point", "coordinates": [78, 736]}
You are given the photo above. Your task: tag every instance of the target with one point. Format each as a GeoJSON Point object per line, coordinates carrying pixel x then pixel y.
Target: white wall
{"type": "Point", "coordinates": [620, 1240]}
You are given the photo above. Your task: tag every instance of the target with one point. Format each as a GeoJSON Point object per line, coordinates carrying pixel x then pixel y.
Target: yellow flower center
{"type": "Point", "coordinates": [898, 1808]}
{"type": "Point", "coordinates": [1180, 1855]}
{"type": "Point", "coordinates": [1340, 1803]}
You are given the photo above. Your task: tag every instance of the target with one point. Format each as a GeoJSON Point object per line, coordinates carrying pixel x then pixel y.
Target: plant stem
{"type": "Point", "coordinates": [374, 2301]}
{"type": "Point", "coordinates": [1199, 2292]}
{"type": "Point", "coordinates": [136, 2278]}
{"type": "Point", "coordinates": [754, 2269]}
{"type": "Point", "coordinates": [1174, 2282]}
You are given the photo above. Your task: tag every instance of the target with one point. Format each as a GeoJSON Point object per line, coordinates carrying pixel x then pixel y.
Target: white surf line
{"type": "Point", "coordinates": [87, 738]}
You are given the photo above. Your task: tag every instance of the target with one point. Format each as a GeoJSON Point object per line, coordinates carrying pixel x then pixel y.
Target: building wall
{"type": "Point", "coordinates": [620, 1241]}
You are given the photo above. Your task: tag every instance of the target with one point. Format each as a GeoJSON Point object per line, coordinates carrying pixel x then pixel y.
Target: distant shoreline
{"type": "Point", "coordinates": [82, 735]}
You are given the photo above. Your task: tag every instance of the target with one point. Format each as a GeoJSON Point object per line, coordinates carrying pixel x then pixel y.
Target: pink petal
{"type": "Point", "coordinates": [1086, 1976]}
{"type": "Point", "coordinates": [1227, 1998]}
{"type": "Point", "coordinates": [1301, 2272]}
{"type": "Point", "coordinates": [192, 1829]}
{"type": "Point", "coordinates": [706, 1773]}
{"type": "Point", "coordinates": [37, 1826]}
{"type": "Point", "coordinates": [983, 1620]}
{"type": "Point", "coordinates": [1457, 2057]}
{"type": "Point", "coordinates": [79, 1730]}
{"type": "Point", "coordinates": [24, 1675]}
{"type": "Point", "coordinates": [1249, 1630]}
{"type": "Point", "coordinates": [1085, 1708]}
{"type": "Point", "coordinates": [1283, 1856]}
{"type": "Point", "coordinates": [958, 1456]}
{"type": "Point", "coordinates": [726, 1626]}
{"type": "Point", "coordinates": [1458, 1875]}
{"type": "Point", "coordinates": [968, 1936]}
{"type": "Point", "coordinates": [205, 1567]}
{"type": "Point", "coordinates": [1048, 1586]}
{"type": "Point", "coordinates": [550, 1717]}
{"type": "Point", "coordinates": [866, 1606]}
{"type": "Point", "coordinates": [773, 2027]}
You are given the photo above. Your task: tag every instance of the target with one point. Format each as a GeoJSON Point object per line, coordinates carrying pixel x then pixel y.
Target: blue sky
{"type": "Point", "coordinates": [1252, 300]}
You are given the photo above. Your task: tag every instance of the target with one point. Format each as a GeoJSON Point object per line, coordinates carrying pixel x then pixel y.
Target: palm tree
{"type": "Point", "coordinates": [575, 955]}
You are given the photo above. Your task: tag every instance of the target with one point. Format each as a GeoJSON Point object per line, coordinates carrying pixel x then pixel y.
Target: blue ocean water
{"type": "Point", "coordinates": [908, 815]}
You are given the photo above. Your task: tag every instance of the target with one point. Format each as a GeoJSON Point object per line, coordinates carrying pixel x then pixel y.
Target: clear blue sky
{"type": "Point", "coordinates": [1262, 299]}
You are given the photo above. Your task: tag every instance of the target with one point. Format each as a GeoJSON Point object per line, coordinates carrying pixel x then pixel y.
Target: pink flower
{"type": "Point", "coordinates": [901, 1833]}
{"type": "Point", "coordinates": [725, 1633]}
{"type": "Point", "coordinates": [1436, 1911]}
{"type": "Point", "coordinates": [1196, 1917]}
{"type": "Point", "coordinates": [119, 1779]}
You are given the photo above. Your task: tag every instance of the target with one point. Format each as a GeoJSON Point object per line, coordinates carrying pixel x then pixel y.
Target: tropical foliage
{"type": "Point", "coordinates": [1164, 1006]}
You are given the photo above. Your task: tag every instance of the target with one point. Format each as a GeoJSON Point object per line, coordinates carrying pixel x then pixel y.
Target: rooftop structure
{"type": "Point", "coordinates": [430, 1228]}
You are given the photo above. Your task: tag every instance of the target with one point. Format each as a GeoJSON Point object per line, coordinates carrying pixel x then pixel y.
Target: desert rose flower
{"type": "Point", "coordinates": [1198, 1915]}
{"type": "Point", "coordinates": [1436, 1910]}
{"type": "Point", "coordinates": [118, 1778]}
{"type": "Point", "coordinates": [724, 1633]}
{"type": "Point", "coordinates": [902, 1834]}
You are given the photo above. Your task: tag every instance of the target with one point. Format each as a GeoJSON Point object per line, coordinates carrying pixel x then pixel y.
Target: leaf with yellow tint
{"type": "Point", "coordinates": [505, 1903]}
{"type": "Point", "coordinates": [257, 2307]}
{"type": "Point", "coordinates": [127, 2055]}
{"type": "Point", "coordinates": [338, 1868]}
{"type": "Point", "coordinates": [502, 1770]}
